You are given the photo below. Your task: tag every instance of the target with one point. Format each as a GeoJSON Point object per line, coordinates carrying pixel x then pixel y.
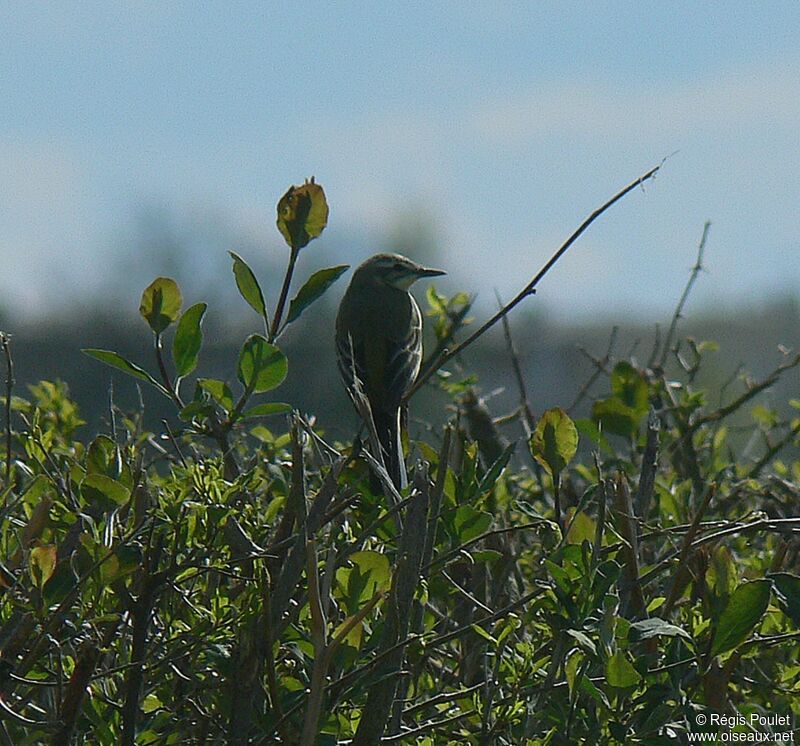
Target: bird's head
{"type": "Point", "coordinates": [393, 270]}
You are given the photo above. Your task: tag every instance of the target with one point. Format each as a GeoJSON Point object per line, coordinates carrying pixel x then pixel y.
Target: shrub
{"type": "Point", "coordinates": [605, 580]}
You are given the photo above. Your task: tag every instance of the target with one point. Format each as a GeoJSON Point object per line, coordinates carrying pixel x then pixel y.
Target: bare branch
{"type": "Point", "coordinates": [698, 266]}
{"type": "Point", "coordinates": [530, 288]}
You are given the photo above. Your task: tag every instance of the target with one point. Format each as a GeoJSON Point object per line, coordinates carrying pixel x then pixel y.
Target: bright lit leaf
{"type": "Point", "coordinates": [654, 627]}
{"type": "Point", "coordinates": [620, 672]}
{"type": "Point", "coordinates": [161, 303]}
{"type": "Point", "coordinates": [248, 285]}
{"type": "Point", "coordinates": [99, 486]}
{"type": "Point", "coordinates": [555, 440]}
{"type": "Point", "coordinates": [267, 410]}
{"type": "Point", "coordinates": [188, 339]}
{"type": "Point", "coordinates": [219, 391]}
{"type": "Point", "coordinates": [583, 640]}
{"type": "Point", "coordinates": [374, 566]}
{"type": "Point", "coordinates": [42, 562]}
{"type": "Point", "coordinates": [262, 366]}
{"type": "Point", "coordinates": [302, 214]}
{"type": "Point", "coordinates": [742, 613]}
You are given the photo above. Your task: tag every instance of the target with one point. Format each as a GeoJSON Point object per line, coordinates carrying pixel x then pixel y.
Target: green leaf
{"type": "Point", "coordinates": [583, 640]}
{"type": "Point", "coordinates": [248, 285]}
{"type": "Point", "coordinates": [620, 672]}
{"type": "Point", "coordinates": [587, 686]}
{"type": "Point", "coordinates": [376, 568]}
{"type": "Point", "coordinates": [101, 456]}
{"type": "Point", "coordinates": [477, 629]}
{"type": "Point", "coordinates": [628, 385]}
{"type": "Point", "coordinates": [267, 410]}
{"type": "Point", "coordinates": [555, 441]}
{"type": "Point", "coordinates": [614, 416]}
{"type": "Point", "coordinates": [117, 361]}
{"type": "Point", "coordinates": [485, 555]}
{"type": "Point", "coordinates": [42, 563]}
{"type": "Point", "coordinates": [496, 469]}
{"type": "Point", "coordinates": [787, 587]}
{"type": "Point", "coordinates": [582, 528]}
{"type": "Point", "coordinates": [161, 303]}
{"type": "Point", "coordinates": [100, 486]}
{"type": "Point", "coordinates": [647, 628]}
{"type": "Point", "coordinates": [188, 339]}
{"type": "Point", "coordinates": [470, 523]}
{"type": "Point", "coordinates": [742, 613]}
{"type": "Point", "coordinates": [196, 408]}
{"type": "Point", "coordinates": [622, 413]}
{"type": "Point", "coordinates": [302, 214]}
{"type": "Point", "coordinates": [590, 430]}
{"type": "Point", "coordinates": [262, 366]}
{"type": "Point", "coordinates": [219, 391]}
{"type": "Point", "coordinates": [313, 288]}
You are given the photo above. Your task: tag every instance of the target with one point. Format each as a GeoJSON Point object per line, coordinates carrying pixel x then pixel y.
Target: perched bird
{"type": "Point", "coordinates": [379, 340]}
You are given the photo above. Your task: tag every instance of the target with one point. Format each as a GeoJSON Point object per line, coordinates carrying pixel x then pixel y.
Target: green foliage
{"type": "Point", "coordinates": [555, 441]}
{"type": "Point", "coordinates": [302, 214]}
{"type": "Point", "coordinates": [222, 582]}
{"type": "Point", "coordinates": [161, 303]}
{"type": "Point", "coordinates": [248, 285]}
{"type": "Point", "coordinates": [742, 613]}
{"type": "Point", "coordinates": [188, 339]}
{"type": "Point", "coordinates": [116, 360]}
{"type": "Point", "coordinates": [313, 289]}
{"type": "Point", "coordinates": [262, 366]}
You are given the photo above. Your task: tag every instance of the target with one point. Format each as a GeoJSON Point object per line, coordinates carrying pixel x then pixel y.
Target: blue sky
{"type": "Point", "coordinates": [504, 124]}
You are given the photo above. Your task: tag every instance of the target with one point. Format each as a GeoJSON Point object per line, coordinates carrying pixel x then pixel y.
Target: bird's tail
{"type": "Point", "coordinates": [387, 425]}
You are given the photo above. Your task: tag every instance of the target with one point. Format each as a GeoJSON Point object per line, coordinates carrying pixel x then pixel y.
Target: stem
{"type": "Point", "coordinates": [530, 288]}
{"type": "Point", "coordinates": [698, 267]}
{"type": "Point", "coordinates": [557, 500]}
{"type": "Point", "coordinates": [162, 369]}
{"type": "Point", "coordinates": [528, 420]}
{"type": "Point", "coordinates": [4, 343]}
{"type": "Point", "coordinates": [318, 637]}
{"type": "Point", "coordinates": [287, 281]}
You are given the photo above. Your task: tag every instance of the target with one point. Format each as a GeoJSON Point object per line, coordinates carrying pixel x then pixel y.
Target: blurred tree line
{"type": "Point", "coordinates": [558, 359]}
{"type": "Point", "coordinates": [558, 356]}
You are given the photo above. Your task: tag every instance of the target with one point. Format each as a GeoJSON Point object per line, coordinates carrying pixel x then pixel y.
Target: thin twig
{"type": "Point", "coordinates": [773, 451]}
{"type": "Point", "coordinates": [698, 267]}
{"type": "Point", "coordinates": [752, 391]}
{"type": "Point", "coordinates": [528, 420]}
{"type": "Point", "coordinates": [600, 366]}
{"type": "Point", "coordinates": [5, 344]}
{"type": "Point", "coordinates": [530, 288]}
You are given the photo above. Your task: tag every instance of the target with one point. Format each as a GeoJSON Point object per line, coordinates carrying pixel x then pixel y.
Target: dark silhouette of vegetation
{"type": "Point", "coordinates": [227, 575]}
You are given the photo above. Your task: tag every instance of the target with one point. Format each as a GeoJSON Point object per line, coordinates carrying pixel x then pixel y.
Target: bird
{"type": "Point", "coordinates": [379, 343]}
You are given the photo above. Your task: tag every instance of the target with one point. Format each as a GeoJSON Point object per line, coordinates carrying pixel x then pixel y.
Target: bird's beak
{"type": "Point", "coordinates": [426, 272]}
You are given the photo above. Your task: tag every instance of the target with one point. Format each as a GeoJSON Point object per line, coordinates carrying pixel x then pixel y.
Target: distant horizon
{"type": "Point", "coordinates": [491, 125]}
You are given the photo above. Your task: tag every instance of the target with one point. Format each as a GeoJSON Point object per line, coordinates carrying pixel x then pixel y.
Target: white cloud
{"type": "Point", "coordinates": [757, 97]}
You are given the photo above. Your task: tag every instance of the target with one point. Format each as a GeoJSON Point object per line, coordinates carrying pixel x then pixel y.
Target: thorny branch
{"type": "Point", "coordinates": [530, 288]}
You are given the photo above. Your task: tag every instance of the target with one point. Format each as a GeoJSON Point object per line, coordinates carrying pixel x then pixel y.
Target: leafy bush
{"type": "Point", "coordinates": [604, 580]}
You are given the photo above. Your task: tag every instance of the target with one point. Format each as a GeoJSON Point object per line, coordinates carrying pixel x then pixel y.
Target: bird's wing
{"type": "Point", "coordinates": [404, 357]}
{"type": "Point", "coordinates": [386, 359]}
